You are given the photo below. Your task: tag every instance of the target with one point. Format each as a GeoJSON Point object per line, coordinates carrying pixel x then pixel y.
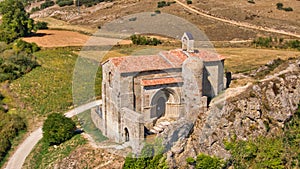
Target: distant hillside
{"type": "Point", "coordinates": [260, 13]}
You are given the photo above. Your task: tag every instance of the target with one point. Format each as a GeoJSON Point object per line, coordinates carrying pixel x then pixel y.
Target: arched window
{"type": "Point", "coordinates": [126, 134]}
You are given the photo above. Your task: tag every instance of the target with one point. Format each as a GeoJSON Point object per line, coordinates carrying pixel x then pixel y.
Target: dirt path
{"type": "Point", "coordinates": [242, 24]}
{"type": "Point", "coordinates": [18, 158]}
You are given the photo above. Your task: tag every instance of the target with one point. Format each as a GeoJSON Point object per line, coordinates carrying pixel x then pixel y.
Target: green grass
{"type": "Point", "coordinates": [47, 88]}
{"type": "Point", "coordinates": [44, 156]}
{"type": "Point", "coordinates": [89, 126]}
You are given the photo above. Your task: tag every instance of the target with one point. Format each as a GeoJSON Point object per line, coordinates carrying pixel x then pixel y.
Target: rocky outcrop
{"type": "Point", "coordinates": [247, 112]}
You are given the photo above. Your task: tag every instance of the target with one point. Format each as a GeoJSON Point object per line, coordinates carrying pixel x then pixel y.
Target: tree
{"type": "Point", "coordinates": [279, 5]}
{"type": "Point", "coordinates": [58, 128]}
{"type": "Point", "coordinates": [15, 21]}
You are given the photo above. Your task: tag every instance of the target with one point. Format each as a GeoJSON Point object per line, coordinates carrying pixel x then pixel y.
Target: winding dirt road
{"type": "Point", "coordinates": [18, 158]}
{"type": "Point", "coordinates": [242, 24]}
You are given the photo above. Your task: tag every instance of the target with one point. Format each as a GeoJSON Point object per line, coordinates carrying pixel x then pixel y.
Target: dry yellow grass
{"type": "Point", "coordinates": [246, 59]}
{"type": "Point", "coordinates": [59, 24]}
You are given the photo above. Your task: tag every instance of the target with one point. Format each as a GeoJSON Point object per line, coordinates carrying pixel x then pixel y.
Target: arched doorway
{"type": "Point", "coordinates": [160, 100]}
{"type": "Point", "coordinates": [126, 134]}
{"type": "Point", "coordinates": [161, 107]}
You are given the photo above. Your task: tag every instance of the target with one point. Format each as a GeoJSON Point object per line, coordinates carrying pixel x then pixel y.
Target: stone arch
{"type": "Point", "coordinates": [160, 100]}
{"type": "Point", "coordinates": [126, 134]}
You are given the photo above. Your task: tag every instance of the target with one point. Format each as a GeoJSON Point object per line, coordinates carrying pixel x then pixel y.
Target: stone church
{"type": "Point", "coordinates": [139, 90]}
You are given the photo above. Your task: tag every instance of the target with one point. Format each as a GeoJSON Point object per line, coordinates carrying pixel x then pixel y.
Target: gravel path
{"type": "Point", "coordinates": [18, 158]}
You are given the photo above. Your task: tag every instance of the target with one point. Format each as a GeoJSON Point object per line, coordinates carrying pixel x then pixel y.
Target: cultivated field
{"type": "Point", "coordinates": [63, 38]}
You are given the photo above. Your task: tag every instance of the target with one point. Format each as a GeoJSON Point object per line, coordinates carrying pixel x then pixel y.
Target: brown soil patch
{"type": "Point", "coordinates": [57, 38]}
{"type": "Point", "coordinates": [62, 38]}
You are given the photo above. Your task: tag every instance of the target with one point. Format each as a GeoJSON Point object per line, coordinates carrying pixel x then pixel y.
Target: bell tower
{"type": "Point", "coordinates": [187, 41]}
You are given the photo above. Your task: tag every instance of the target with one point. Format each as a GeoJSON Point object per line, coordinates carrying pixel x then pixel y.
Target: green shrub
{"type": "Point", "coordinates": [191, 161]}
{"type": "Point", "coordinates": [279, 5]}
{"type": "Point", "coordinates": [47, 4]}
{"type": "Point", "coordinates": [41, 25]}
{"type": "Point", "coordinates": [62, 3]}
{"type": "Point", "coordinates": [189, 2]}
{"type": "Point", "coordinates": [35, 9]}
{"type": "Point", "coordinates": [10, 127]}
{"type": "Point", "coordinates": [58, 129]}
{"type": "Point", "coordinates": [288, 9]}
{"type": "Point", "coordinates": [89, 3]}
{"type": "Point", "coordinates": [151, 158]}
{"type": "Point", "coordinates": [157, 11]}
{"type": "Point", "coordinates": [19, 45]}
{"type": "Point", "coordinates": [161, 4]}
{"type": "Point", "coordinates": [251, 1]}
{"type": "Point", "coordinates": [142, 40]}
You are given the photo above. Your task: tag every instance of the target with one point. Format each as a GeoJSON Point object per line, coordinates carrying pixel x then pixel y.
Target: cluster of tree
{"type": "Point", "coordinates": [142, 40]}
{"type": "Point", "coordinates": [161, 4]}
{"type": "Point", "coordinates": [15, 21]}
{"type": "Point", "coordinates": [62, 3]}
{"type": "Point", "coordinates": [151, 158]}
{"type": "Point", "coordinates": [270, 42]}
{"type": "Point", "coordinates": [10, 126]}
{"type": "Point", "coordinates": [89, 3]}
{"type": "Point", "coordinates": [280, 151]}
{"type": "Point", "coordinates": [279, 6]}
{"type": "Point", "coordinates": [57, 129]}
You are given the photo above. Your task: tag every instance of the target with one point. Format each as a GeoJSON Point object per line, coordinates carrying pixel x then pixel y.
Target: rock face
{"type": "Point", "coordinates": [251, 111]}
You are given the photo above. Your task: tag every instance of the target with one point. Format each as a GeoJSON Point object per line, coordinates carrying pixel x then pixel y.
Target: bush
{"type": "Point", "coordinates": [10, 127]}
{"type": "Point", "coordinates": [251, 1]}
{"type": "Point", "coordinates": [288, 9]}
{"type": "Point", "coordinates": [279, 5]}
{"type": "Point", "coordinates": [62, 3]}
{"type": "Point", "coordinates": [151, 158]}
{"type": "Point", "coordinates": [89, 3]}
{"type": "Point", "coordinates": [41, 25]}
{"type": "Point", "coordinates": [46, 4]}
{"type": "Point", "coordinates": [58, 128]}
{"type": "Point", "coordinates": [161, 4]}
{"type": "Point", "coordinates": [35, 9]}
{"type": "Point", "coordinates": [142, 40]}
{"type": "Point", "coordinates": [157, 11]}
{"type": "Point", "coordinates": [189, 2]}
{"type": "Point", "coordinates": [22, 46]}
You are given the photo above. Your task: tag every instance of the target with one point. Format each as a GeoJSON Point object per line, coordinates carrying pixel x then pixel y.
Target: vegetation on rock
{"type": "Point", "coordinates": [151, 158]}
{"type": "Point", "coordinates": [280, 151]}
{"type": "Point", "coordinates": [204, 161]}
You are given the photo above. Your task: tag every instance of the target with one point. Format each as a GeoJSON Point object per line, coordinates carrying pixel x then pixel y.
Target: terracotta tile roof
{"type": "Point", "coordinates": [164, 60]}
{"type": "Point", "coordinates": [160, 81]}
{"type": "Point", "coordinates": [140, 63]}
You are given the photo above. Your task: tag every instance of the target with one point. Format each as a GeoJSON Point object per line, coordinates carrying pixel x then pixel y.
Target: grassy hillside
{"type": "Point", "coordinates": [47, 88]}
